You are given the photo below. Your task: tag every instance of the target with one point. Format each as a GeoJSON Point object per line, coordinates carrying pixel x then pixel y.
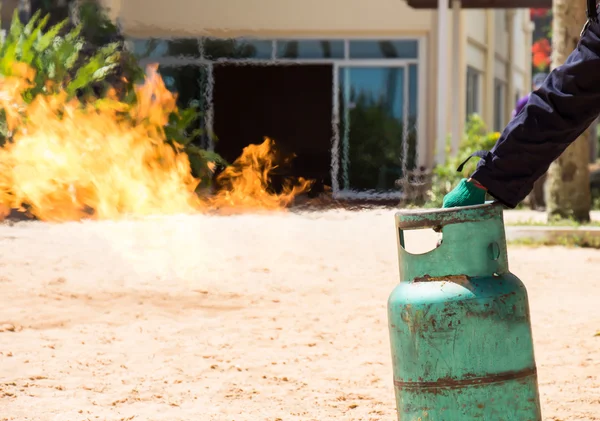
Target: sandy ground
{"type": "Point", "coordinates": [278, 317]}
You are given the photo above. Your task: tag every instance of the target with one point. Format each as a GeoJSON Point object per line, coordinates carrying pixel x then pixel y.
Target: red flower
{"type": "Point", "coordinates": [542, 45]}
{"type": "Point", "coordinates": [538, 13]}
{"type": "Point", "coordinates": [541, 51]}
{"type": "Point", "coordinates": [541, 61]}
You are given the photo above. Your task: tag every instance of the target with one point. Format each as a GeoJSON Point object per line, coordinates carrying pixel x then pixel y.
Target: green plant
{"type": "Point", "coordinates": [445, 177]}
{"type": "Point", "coordinates": [182, 129]}
{"type": "Point", "coordinates": [87, 60]}
{"type": "Point", "coordinates": [97, 32]}
{"type": "Point", "coordinates": [376, 152]}
{"type": "Point", "coordinates": [178, 132]}
{"type": "Point", "coordinates": [53, 58]}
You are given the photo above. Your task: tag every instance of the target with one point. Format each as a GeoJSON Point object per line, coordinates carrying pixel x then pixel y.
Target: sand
{"type": "Point", "coordinates": [272, 317]}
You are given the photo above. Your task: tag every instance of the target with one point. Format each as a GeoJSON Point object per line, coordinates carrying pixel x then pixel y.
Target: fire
{"type": "Point", "coordinates": [69, 161]}
{"type": "Point", "coordinates": [246, 182]}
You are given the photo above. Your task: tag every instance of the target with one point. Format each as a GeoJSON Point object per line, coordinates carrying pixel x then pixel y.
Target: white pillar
{"type": "Point", "coordinates": [456, 75]}
{"type": "Point", "coordinates": [509, 100]}
{"type": "Point", "coordinates": [490, 61]}
{"type": "Point", "coordinates": [442, 81]}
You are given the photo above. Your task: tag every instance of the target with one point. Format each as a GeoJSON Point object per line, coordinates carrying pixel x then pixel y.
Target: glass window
{"type": "Point", "coordinates": [145, 48]}
{"type": "Point", "coordinates": [384, 49]}
{"type": "Point", "coordinates": [215, 49]}
{"type": "Point", "coordinates": [499, 104]}
{"type": "Point", "coordinates": [184, 48]}
{"type": "Point", "coordinates": [372, 127]}
{"type": "Point", "coordinates": [156, 48]}
{"type": "Point", "coordinates": [310, 49]}
{"type": "Point", "coordinates": [473, 88]}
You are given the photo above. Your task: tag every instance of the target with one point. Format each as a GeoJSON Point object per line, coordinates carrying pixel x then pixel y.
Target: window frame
{"type": "Point", "coordinates": [500, 88]}
{"type": "Point", "coordinates": [473, 94]}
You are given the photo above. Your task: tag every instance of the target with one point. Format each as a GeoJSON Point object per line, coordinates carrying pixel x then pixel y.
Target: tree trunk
{"type": "Point", "coordinates": [537, 199]}
{"type": "Point", "coordinates": [568, 179]}
{"type": "Point", "coordinates": [594, 142]}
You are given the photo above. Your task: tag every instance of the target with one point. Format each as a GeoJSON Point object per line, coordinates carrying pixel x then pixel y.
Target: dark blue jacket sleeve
{"type": "Point", "coordinates": [555, 116]}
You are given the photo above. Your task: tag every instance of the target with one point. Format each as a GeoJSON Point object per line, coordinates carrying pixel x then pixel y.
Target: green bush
{"type": "Point", "coordinates": [86, 61]}
{"type": "Point", "coordinates": [99, 31]}
{"type": "Point", "coordinates": [178, 131]}
{"type": "Point", "coordinates": [53, 57]}
{"type": "Point", "coordinates": [446, 177]}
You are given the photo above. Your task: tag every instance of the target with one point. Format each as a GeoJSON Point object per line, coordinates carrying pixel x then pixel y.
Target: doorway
{"type": "Point", "coordinates": [377, 126]}
{"type": "Point", "coordinates": [291, 104]}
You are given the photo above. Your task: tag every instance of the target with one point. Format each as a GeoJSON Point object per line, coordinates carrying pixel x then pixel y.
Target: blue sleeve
{"type": "Point", "coordinates": [554, 117]}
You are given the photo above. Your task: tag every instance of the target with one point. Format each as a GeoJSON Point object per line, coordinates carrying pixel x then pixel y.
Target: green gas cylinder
{"type": "Point", "coordinates": [459, 323]}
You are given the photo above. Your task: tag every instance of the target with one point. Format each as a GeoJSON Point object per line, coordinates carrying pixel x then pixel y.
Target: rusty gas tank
{"type": "Point", "coordinates": [459, 323]}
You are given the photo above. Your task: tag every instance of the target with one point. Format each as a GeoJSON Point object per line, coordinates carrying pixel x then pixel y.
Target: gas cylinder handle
{"type": "Point", "coordinates": [437, 219]}
{"type": "Point", "coordinates": [411, 219]}
{"type": "Point", "coordinates": [480, 226]}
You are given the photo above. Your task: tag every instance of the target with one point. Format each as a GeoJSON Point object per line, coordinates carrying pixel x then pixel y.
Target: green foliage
{"type": "Point", "coordinates": [85, 61]}
{"type": "Point", "coordinates": [179, 134]}
{"type": "Point", "coordinates": [377, 144]}
{"type": "Point", "coordinates": [176, 130]}
{"type": "Point", "coordinates": [99, 32]}
{"type": "Point", "coordinates": [53, 56]}
{"type": "Point", "coordinates": [445, 177]}
{"type": "Point", "coordinates": [203, 163]}
{"type": "Point", "coordinates": [97, 27]}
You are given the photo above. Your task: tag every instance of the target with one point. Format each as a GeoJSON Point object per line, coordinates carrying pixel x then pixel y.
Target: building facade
{"type": "Point", "coordinates": [348, 87]}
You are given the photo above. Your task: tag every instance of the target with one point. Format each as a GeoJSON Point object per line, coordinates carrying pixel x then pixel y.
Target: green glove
{"type": "Point", "coordinates": [465, 193]}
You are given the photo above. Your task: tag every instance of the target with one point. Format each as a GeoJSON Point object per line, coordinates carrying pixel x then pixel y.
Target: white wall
{"type": "Point", "coordinates": [268, 18]}
{"type": "Point", "coordinates": [511, 61]}
{"type": "Point", "coordinates": [523, 35]}
{"type": "Point", "coordinates": [475, 25]}
{"type": "Point", "coordinates": [501, 33]}
{"type": "Point", "coordinates": [476, 56]}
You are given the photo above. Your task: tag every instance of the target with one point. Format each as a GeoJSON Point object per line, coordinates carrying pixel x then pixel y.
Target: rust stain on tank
{"type": "Point", "coordinates": [456, 279]}
{"type": "Point", "coordinates": [468, 380]}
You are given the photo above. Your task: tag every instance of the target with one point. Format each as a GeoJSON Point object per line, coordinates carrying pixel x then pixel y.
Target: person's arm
{"type": "Point", "coordinates": [555, 116]}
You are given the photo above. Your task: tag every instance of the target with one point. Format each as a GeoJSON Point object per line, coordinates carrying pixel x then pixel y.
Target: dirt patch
{"type": "Point", "coordinates": [245, 318]}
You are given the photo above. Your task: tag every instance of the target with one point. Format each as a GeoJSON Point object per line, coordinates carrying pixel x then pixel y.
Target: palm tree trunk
{"type": "Point", "coordinates": [568, 184]}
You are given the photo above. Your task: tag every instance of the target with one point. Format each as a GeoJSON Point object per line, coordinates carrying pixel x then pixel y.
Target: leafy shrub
{"type": "Point", "coordinates": [97, 32]}
{"type": "Point", "coordinates": [88, 60]}
{"type": "Point", "coordinates": [53, 58]}
{"type": "Point", "coordinates": [178, 132]}
{"type": "Point", "coordinates": [181, 132]}
{"type": "Point", "coordinates": [445, 177]}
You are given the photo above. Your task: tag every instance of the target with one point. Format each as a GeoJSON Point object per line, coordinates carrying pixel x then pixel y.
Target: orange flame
{"type": "Point", "coordinates": [246, 182]}
{"type": "Point", "coordinates": [69, 161]}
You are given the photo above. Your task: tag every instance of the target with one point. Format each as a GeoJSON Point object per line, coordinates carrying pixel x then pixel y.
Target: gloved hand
{"type": "Point", "coordinates": [466, 193]}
